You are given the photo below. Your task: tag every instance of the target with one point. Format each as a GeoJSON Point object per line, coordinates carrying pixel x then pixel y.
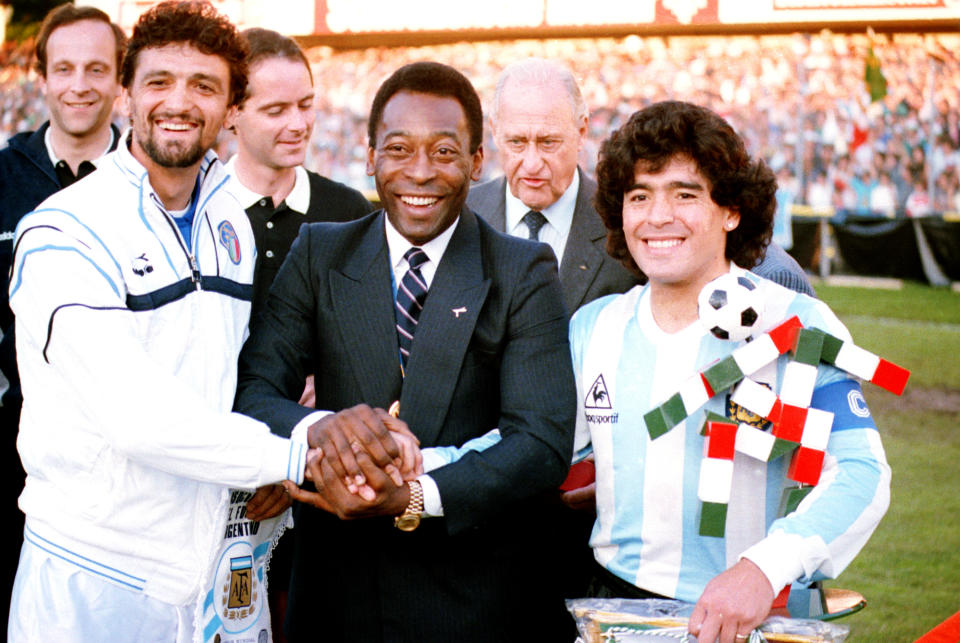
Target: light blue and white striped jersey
{"type": "Point", "coordinates": [647, 529]}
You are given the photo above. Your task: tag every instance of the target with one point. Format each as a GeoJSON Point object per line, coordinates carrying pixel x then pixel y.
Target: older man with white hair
{"type": "Point", "coordinates": [539, 123]}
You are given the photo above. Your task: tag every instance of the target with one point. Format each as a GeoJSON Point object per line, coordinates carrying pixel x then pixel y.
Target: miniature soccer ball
{"type": "Point", "coordinates": [730, 307]}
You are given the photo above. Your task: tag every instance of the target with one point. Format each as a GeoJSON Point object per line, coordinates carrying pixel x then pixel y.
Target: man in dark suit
{"type": "Point", "coordinates": [539, 121]}
{"type": "Point", "coordinates": [489, 350]}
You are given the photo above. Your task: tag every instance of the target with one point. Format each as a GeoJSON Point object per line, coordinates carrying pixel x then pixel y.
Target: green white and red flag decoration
{"type": "Point", "coordinates": [797, 428]}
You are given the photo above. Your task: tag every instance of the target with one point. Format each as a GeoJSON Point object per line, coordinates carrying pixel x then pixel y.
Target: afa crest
{"type": "Point", "coordinates": [241, 582]}
{"type": "Point", "coordinates": [230, 241]}
{"type": "Point", "coordinates": [238, 595]}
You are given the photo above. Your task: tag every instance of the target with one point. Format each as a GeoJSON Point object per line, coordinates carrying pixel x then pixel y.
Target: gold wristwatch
{"type": "Point", "coordinates": [410, 518]}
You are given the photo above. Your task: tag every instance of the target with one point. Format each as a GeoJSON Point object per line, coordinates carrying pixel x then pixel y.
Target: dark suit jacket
{"type": "Point", "coordinates": [503, 363]}
{"type": "Point", "coordinates": [587, 272]}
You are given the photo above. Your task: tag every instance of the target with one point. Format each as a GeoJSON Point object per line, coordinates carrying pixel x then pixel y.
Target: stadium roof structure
{"type": "Point", "coordinates": [364, 23]}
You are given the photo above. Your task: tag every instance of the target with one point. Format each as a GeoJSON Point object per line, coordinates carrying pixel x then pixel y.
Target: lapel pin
{"type": "Point", "coordinates": [456, 311]}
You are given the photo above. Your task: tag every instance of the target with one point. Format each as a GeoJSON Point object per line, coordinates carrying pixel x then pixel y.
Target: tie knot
{"type": "Point", "coordinates": [534, 221]}
{"type": "Point", "coordinates": [415, 257]}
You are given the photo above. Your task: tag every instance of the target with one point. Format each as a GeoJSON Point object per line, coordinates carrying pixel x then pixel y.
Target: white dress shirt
{"type": "Point", "coordinates": [398, 245]}
{"type": "Point", "coordinates": [559, 218]}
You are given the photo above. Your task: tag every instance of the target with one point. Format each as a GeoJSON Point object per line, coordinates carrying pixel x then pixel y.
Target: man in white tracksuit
{"type": "Point", "coordinates": [131, 291]}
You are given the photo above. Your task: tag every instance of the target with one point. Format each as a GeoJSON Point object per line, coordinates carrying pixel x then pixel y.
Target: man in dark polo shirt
{"type": "Point", "coordinates": [273, 126]}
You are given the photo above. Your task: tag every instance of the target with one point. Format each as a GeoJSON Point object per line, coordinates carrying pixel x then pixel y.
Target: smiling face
{"type": "Point", "coordinates": [274, 122]}
{"type": "Point", "coordinates": [81, 77]}
{"type": "Point", "coordinates": [177, 102]}
{"type": "Point", "coordinates": [538, 141]}
{"type": "Point", "coordinates": [674, 230]}
{"type": "Point", "coordinates": [422, 163]}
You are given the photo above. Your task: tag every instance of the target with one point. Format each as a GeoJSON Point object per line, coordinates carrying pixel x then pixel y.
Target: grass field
{"type": "Point", "coordinates": [910, 569]}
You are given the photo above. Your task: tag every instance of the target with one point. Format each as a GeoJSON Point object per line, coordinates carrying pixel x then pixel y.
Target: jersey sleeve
{"type": "Point", "coordinates": [835, 520]}
{"type": "Point", "coordinates": [436, 457]}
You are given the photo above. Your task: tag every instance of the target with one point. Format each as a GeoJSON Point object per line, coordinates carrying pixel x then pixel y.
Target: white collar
{"type": "Point", "coordinates": [298, 200]}
{"type": "Point", "coordinates": [211, 174]}
{"type": "Point", "coordinates": [559, 214]}
{"type": "Point", "coordinates": [434, 249]}
{"type": "Point", "coordinates": [48, 142]}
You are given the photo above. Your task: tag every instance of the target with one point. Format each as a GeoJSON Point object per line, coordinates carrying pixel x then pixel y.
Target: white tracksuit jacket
{"type": "Point", "coordinates": [127, 346]}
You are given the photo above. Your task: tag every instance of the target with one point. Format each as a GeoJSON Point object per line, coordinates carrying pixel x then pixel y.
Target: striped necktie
{"type": "Point", "coordinates": [411, 293]}
{"type": "Point", "coordinates": [534, 221]}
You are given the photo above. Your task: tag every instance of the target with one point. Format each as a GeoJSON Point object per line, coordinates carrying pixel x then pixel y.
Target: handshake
{"type": "Point", "coordinates": [359, 462]}
{"type": "Point", "coordinates": [361, 459]}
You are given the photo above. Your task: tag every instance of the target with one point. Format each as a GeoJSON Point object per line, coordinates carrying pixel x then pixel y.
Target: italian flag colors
{"type": "Point", "coordinates": [797, 428]}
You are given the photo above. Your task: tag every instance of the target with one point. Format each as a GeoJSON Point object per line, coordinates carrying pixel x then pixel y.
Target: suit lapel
{"type": "Point", "coordinates": [444, 331]}
{"type": "Point", "coordinates": [495, 205]}
{"type": "Point", "coordinates": [362, 298]}
{"type": "Point", "coordinates": [582, 255]}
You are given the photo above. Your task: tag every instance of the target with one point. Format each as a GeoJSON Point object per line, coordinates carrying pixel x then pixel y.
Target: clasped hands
{"type": "Point", "coordinates": [359, 462]}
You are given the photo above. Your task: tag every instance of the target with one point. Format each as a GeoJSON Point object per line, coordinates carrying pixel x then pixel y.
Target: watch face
{"type": "Point", "coordinates": [407, 522]}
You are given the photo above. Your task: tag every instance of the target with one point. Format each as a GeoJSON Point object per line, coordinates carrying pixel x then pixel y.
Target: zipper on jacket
{"type": "Point", "coordinates": [191, 259]}
{"type": "Point", "coordinates": [195, 269]}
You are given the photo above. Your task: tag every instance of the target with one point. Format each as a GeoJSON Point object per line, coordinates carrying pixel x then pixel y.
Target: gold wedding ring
{"type": "Point", "coordinates": [394, 410]}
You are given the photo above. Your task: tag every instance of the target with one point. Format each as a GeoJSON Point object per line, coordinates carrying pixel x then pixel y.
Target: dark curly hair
{"type": "Point", "coordinates": [67, 14]}
{"type": "Point", "coordinates": [656, 134]}
{"type": "Point", "coordinates": [435, 79]}
{"type": "Point", "coordinates": [197, 24]}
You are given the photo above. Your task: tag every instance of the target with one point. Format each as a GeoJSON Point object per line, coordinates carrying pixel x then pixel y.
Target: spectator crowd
{"type": "Point", "coordinates": [787, 95]}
